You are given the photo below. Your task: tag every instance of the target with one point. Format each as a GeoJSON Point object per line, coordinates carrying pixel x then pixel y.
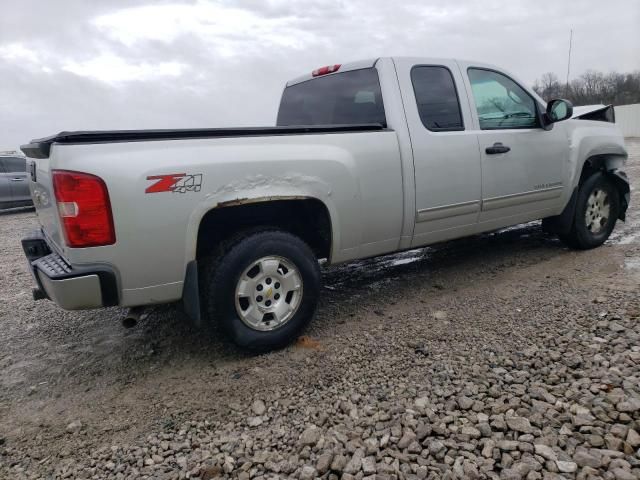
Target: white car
{"type": "Point", "coordinates": [367, 158]}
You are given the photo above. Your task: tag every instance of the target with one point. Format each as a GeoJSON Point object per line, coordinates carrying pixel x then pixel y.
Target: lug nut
{"type": "Point", "coordinates": [259, 298]}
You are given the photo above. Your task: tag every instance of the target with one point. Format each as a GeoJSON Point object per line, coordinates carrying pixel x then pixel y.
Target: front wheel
{"type": "Point", "coordinates": [262, 289]}
{"type": "Point", "coordinates": [597, 209]}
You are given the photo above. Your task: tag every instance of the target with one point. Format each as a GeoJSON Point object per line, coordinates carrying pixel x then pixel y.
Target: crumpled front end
{"type": "Point", "coordinates": [601, 113]}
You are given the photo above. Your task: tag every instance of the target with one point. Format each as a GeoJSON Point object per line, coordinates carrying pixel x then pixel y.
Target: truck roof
{"type": "Point", "coordinates": [370, 62]}
{"type": "Point", "coordinates": [345, 67]}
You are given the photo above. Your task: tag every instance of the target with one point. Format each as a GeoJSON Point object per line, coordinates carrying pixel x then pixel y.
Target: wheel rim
{"type": "Point", "coordinates": [598, 210]}
{"type": "Point", "coordinates": [268, 293]}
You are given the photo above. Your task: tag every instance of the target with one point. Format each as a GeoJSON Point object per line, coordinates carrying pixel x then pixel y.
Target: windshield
{"type": "Point", "coordinates": [347, 98]}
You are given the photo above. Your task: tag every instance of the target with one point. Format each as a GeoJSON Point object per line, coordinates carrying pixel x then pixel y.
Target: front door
{"type": "Point", "coordinates": [445, 150]}
{"type": "Point", "coordinates": [522, 164]}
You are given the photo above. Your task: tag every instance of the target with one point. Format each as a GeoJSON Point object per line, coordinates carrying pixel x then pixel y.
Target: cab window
{"type": "Point", "coordinates": [437, 98]}
{"type": "Point", "coordinates": [501, 103]}
{"type": "Point", "coordinates": [13, 164]}
{"type": "Point", "coordinates": [348, 98]}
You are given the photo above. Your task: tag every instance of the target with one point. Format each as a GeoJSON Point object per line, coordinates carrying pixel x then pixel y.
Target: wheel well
{"type": "Point", "coordinates": [596, 163]}
{"type": "Point", "coordinates": [592, 165]}
{"type": "Point", "coordinates": [307, 218]}
{"type": "Point", "coordinates": [607, 165]}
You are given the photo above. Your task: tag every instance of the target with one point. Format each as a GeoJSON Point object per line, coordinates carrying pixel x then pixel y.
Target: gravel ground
{"type": "Point", "coordinates": [500, 356]}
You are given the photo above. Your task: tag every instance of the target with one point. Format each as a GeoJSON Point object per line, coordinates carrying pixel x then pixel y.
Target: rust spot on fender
{"type": "Point", "coordinates": [245, 201]}
{"type": "Point", "coordinates": [231, 203]}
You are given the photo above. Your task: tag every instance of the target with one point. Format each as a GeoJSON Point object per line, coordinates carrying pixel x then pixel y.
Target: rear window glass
{"type": "Point", "coordinates": [437, 98]}
{"type": "Point", "coordinates": [13, 164]}
{"type": "Point", "coordinates": [340, 99]}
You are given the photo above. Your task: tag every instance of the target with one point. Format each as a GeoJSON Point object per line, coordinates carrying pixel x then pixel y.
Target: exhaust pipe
{"type": "Point", "coordinates": [132, 317]}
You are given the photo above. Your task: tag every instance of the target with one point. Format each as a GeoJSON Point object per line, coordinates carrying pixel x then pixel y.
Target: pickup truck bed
{"type": "Point", "coordinates": [40, 148]}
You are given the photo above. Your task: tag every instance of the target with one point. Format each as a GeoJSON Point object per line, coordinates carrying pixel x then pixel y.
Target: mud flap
{"type": "Point", "coordinates": [561, 224]}
{"type": "Point", "coordinates": [191, 294]}
{"type": "Point", "coordinates": [621, 181]}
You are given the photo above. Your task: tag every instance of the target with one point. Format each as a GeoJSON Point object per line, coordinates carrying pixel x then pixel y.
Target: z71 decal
{"type": "Point", "coordinates": [175, 182]}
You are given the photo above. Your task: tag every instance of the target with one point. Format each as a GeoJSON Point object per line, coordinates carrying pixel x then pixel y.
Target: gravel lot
{"type": "Point", "coordinates": [501, 356]}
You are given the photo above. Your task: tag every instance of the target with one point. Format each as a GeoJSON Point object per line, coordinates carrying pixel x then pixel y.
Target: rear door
{"type": "Point", "coordinates": [445, 149]}
{"type": "Point", "coordinates": [16, 172]}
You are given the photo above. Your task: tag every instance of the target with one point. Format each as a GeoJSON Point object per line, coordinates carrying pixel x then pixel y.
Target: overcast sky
{"type": "Point", "coordinates": [116, 64]}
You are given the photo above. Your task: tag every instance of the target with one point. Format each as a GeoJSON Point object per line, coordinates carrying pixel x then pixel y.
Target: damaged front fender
{"type": "Point", "coordinates": [602, 113]}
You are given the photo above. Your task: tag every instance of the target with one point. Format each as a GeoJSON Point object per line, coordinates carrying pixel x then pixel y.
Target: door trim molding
{"type": "Point", "coordinates": [445, 211]}
{"type": "Point", "coordinates": [513, 199]}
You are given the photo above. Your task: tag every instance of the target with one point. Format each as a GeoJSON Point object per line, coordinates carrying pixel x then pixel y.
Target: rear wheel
{"type": "Point", "coordinates": [597, 209]}
{"type": "Point", "coordinates": [262, 289]}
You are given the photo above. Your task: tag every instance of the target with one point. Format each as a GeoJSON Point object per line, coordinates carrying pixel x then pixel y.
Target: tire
{"type": "Point", "coordinates": [597, 209]}
{"type": "Point", "coordinates": [230, 284]}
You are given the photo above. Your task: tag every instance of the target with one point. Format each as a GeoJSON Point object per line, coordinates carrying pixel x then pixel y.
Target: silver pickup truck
{"type": "Point", "coordinates": [367, 158]}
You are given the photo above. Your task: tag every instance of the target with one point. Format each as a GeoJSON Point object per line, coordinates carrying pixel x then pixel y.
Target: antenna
{"type": "Point", "coordinates": [569, 60]}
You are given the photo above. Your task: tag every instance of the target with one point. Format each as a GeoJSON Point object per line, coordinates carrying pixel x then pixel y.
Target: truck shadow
{"type": "Point", "coordinates": [171, 334]}
{"type": "Point", "coordinates": [89, 350]}
{"type": "Point", "coordinates": [515, 245]}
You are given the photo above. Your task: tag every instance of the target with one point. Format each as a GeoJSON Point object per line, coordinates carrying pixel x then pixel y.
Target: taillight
{"type": "Point", "coordinates": [325, 70]}
{"type": "Point", "coordinates": [84, 208]}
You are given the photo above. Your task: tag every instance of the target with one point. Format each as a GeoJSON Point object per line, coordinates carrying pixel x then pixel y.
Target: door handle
{"type": "Point", "coordinates": [497, 148]}
{"type": "Point", "coordinates": [17, 179]}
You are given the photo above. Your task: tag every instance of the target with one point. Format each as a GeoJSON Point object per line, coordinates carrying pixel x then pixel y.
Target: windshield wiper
{"type": "Point", "coordinates": [517, 114]}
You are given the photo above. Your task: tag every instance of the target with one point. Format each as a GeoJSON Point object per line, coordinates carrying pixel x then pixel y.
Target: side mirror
{"type": "Point", "coordinates": [558, 110]}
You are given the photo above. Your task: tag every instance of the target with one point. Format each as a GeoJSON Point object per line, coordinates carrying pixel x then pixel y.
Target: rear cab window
{"type": "Point", "coordinates": [348, 98]}
{"type": "Point", "coordinates": [437, 98]}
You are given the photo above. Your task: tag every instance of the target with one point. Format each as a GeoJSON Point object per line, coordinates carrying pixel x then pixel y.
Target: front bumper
{"type": "Point", "coordinates": [73, 287]}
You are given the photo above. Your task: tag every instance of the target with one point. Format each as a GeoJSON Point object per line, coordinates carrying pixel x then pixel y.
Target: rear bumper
{"type": "Point", "coordinates": [73, 287]}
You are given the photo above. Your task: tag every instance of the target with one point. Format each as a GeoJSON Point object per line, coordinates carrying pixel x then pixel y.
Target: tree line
{"type": "Point", "coordinates": [592, 87]}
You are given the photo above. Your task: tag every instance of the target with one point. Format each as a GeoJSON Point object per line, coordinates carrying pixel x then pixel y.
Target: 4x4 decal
{"type": "Point", "coordinates": [175, 182]}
